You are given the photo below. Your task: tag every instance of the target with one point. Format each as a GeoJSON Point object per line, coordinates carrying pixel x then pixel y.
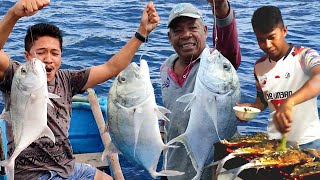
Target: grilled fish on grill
{"type": "Point", "coordinates": [310, 168]}
{"type": "Point", "coordinates": [245, 140]}
{"type": "Point", "coordinates": [265, 147]}
{"type": "Point", "coordinates": [277, 159]}
{"type": "Point", "coordinates": [307, 169]}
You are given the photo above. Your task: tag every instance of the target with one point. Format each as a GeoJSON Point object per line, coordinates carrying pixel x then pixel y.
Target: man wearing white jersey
{"type": "Point", "coordinates": [287, 81]}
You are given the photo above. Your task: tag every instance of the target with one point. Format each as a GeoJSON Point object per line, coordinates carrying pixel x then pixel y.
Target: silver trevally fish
{"type": "Point", "coordinates": [28, 109]}
{"type": "Point", "coordinates": [216, 91]}
{"type": "Point", "coordinates": [133, 119]}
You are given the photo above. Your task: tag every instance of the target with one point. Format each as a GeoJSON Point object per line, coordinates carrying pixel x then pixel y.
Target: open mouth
{"type": "Point", "coordinates": [49, 70]}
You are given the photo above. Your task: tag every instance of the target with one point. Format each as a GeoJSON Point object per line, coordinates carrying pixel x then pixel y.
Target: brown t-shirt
{"type": "Point", "coordinates": [43, 155]}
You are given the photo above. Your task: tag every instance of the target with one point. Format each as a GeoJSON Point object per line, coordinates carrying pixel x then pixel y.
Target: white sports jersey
{"type": "Point", "coordinates": [279, 80]}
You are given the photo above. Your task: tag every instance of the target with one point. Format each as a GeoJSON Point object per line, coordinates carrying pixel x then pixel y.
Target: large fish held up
{"type": "Point", "coordinates": [133, 119]}
{"type": "Point", "coordinates": [28, 109]}
{"type": "Point", "coordinates": [216, 91]}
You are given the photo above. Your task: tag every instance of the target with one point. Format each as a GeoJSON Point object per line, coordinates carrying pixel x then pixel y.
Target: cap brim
{"type": "Point", "coordinates": [185, 15]}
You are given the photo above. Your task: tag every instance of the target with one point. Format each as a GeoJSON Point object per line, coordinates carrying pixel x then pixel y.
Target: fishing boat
{"type": "Point", "coordinates": [84, 134]}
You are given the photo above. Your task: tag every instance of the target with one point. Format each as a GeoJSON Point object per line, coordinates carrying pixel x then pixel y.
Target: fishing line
{"type": "Point", "coordinates": [215, 25]}
{"type": "Point", "coordinates": [32, 60]}
{"type": "Point", "coordinates": [145, 48]}
{"type": "Point", "coordinates": [32, 41]}
{"type": "Point", "coordinates": [215, 35]}
{"type": "Point", "coordinates": [188, 67]}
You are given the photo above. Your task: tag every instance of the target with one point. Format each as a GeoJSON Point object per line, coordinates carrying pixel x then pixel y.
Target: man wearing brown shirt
{"type": "Point", "coordinates": [44, 159]}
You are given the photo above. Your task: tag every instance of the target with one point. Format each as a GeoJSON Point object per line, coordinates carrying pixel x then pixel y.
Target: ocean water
{"type": "Point", "coordinates": [94, 30]}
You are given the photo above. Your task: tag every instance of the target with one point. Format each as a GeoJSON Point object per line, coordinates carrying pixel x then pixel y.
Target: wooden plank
{"type": "Point", "coordinates": [93, 159]}
{"type": "Point", "coordinates": [97, 113]}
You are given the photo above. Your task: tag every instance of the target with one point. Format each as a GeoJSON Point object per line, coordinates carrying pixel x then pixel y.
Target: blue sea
{"type": "Point", "coordinates": [94, 30]}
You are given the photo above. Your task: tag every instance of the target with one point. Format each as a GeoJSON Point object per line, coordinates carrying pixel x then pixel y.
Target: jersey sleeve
{"type": "Point", "coordinates": [309, 59]}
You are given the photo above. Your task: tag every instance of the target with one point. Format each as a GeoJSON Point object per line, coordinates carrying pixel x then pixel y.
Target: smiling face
{"type": "Point", "coordinates": [188, 37]}
{"type": "Point", "coordinates": [47, 49]}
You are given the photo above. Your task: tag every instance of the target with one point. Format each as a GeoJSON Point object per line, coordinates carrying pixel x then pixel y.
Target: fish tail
{"type": "Point", "coordinates": [166, 173]}
{"type": "Point", "coordinates": [9, 164]}
{"type": "Point", "coordinates": [198, 176]}
{"type": "Point", "coordinates": [213, 163]}
{"type": "Point", "coordinates": [105, 153]}
{"type": "Point", "coordinates": [222, 162]}
{"type": "Point", "coordinates": [48, 133]}
{"type": "Point", "coordinates": [181, 139]}
{"type": "Point", "coordinates": [171, 146]}
{"type": "Point", "coordinates": [109, 149]}
{"type": "Point", "coordinates": [4, 163]}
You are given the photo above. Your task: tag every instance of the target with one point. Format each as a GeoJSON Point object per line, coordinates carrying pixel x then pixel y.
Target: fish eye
{"type": "Point", "coordinates": [23, 70]}
{"type": "Point", "coordinates": [122, 79]}
{"type": "Point", "coordinates": [226, 66]}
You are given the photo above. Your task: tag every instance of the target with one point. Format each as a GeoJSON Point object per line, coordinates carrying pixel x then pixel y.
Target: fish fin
{"type": "Point", "coordinates": [50, 102]}
{"type": "Point", "coordinates": [161, 111]}
{"type": "Point", "coordinates": [138, 117]}
{"type": "Point", "coordinates": [48, 133]}
{"type": "Point", "coordinates": [187, 98]}
{"type": "Point", "coordinates": [110, 148]}
{"type": "Point", "coordinates": [166, 173]}
{"type": "Point", "coordinates": [183, 139]}
{"type": "Point", "coordinates": [51, 96]}
{"type": "Point", "coordinates": [211, 106]}
{"type": "Point", "coordinates": [165, 158]}
{"type": "Point", "coordinates": [9, 168]}
{"type": "Point", "coordinates": [222, 162]}
{"type": "Point", "coordinates": [213, 163]}
{"type": "Point", "coordinates": [180, 138]}
{"type": "Point", "coordinates": [6, 116]}
{"type": "Point", "coordinates": [169, 146]}
{"type": "Point", "coordinates": [172, 146]}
